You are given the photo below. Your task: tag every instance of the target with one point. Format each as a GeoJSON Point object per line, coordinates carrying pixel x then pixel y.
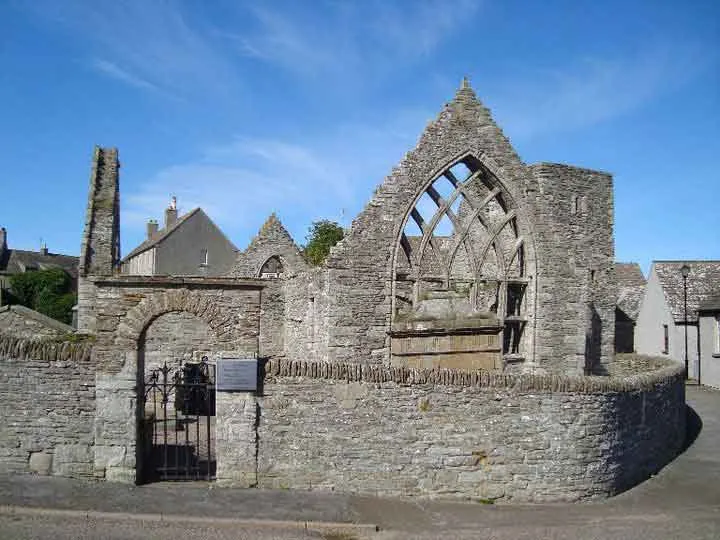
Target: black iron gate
{"type": "Point", "coordinates": [178, 423]}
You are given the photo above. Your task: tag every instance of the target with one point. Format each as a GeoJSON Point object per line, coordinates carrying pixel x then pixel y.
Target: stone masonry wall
{"type": "Point", "coordinates": [569, 254]}
{"type": "Point", "coordinates": [126, 308]}
{"type": "Point", "coordinates": [575, 318]}
{"type": "Point", "coordinates": [47, 402]}
{"type": "Point", "coordinates": [383, 431]}
{"type": "Point", "coordinates": [272, 240]}
{"type": "Point", "coordinates": [174, 337]}
{"type": "Point", "coordinates": [100, 246]}
{"type": "Point", "coordinates": [272, 320]}
{"type": "Point", "coordinates": [359, 268]}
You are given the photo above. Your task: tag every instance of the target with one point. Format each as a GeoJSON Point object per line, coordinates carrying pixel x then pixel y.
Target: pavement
{"type": "Point", "coordinates": [681, 501]}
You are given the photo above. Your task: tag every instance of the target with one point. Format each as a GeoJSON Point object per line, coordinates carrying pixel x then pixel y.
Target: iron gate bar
{"type": "Point", "coordinates": [191, 389]}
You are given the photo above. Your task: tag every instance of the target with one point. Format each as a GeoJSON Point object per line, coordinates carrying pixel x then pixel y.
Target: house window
{"type": "Point", "coordinates": [203, 257]}
{"type": "Point", "coordinates": [717, 334]}
{"type": "Point", "coordinates": [666, 339]}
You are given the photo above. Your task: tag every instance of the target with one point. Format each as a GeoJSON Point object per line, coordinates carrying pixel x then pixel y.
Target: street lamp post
{"type": "Point", "coordinates": [685, 271]}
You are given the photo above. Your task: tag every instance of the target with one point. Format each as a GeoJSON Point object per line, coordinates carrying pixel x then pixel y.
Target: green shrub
{"type": "Point", "coordinates": [322, 235]}
{"type": "Point", "coordinates": [46, 291]}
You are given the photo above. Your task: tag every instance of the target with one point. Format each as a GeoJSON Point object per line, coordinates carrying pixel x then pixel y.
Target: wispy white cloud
{"type": "Point", "coordinates": [148, 45]}
{"type": "Point", "coordinates": [240, 182]}
{"type": "Point", "coordinates": [352, 38]}
{"type": "Point", "coordinates": [116, 72]}
{"type": "Point", "coordinates": [593, 90]}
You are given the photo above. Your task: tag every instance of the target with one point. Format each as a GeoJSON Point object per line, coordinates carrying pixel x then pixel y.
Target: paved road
{"type": "Point", "coordinates": [681, 502]}
{"type": "Point", "coordinates": [63, 528]}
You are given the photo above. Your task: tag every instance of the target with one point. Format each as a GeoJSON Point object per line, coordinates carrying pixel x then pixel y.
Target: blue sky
{"type": "Point", "coordinates": [303, 107]}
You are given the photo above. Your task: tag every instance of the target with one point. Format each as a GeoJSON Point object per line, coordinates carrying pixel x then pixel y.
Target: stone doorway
{"type": "Point", "coordinates": [176, 412]}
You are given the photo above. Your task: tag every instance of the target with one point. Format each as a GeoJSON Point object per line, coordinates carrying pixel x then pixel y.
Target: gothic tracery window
{"type": "Point", "coordinates": [461, 241]}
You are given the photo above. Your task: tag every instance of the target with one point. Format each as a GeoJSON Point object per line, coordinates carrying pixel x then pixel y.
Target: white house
{"type": "Point", "coordinates": [709, 316]}
{"type": "Point", "coordinates": [663, 318]}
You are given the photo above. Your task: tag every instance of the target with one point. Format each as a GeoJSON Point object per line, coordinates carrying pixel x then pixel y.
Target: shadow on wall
{"type": "Point", "coordinates": [693, 427]}
{"type": "Point", "coordinates": [593, 343]}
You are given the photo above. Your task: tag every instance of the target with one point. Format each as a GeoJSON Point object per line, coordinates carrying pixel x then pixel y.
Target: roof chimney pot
{"type": "Point", "coordinates": [171, 213]}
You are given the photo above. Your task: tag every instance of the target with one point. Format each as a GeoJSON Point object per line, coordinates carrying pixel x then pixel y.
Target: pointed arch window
{"type": "Point", "coordinates": [272, 268]}
{"type": "Point", "coordinates": [461, 240]}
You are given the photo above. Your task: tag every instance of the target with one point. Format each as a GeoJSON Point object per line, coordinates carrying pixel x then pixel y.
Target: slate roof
{"type": "Point", "coordinates": [17, 261]}
{"type": "Point", "coordinates": [702, 282]}
{"type": "Point", "coordinates": [161, 235]}
{"type": "Point", "coordinates": [712, 302]}
{"type": "Point", "coordinates": [631, 288]}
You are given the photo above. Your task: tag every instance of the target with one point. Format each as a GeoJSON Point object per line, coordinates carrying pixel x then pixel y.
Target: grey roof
{"type": "Point", "coordinates": [631, 288]}
{"type": "Point", "coordinates": [702, 282]}
{"type": "Point", "coordinates": [712, 302]}
{"type": "Point", "coordinates": [17, 261]}
{"type": "Point", "coordinates": [161, 235]}
{"type": "Point", "coordinates": [37, 317]}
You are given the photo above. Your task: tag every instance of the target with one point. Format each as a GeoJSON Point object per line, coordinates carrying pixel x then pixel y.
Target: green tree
{"type": "Point", "coordinates": [47, 291]}
{"type": "Point", "coordinates": [322, 235]}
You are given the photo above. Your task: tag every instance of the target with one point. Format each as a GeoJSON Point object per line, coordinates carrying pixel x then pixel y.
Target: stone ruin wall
{"type": "Point", "coordinates": [100, 246]}
{"type": "Point", "coordinates": [47, 401]}
{"type": "Point", "coordinates": [517, 438]}
{"type": "Point", "coordinates": [342, 312]}
{"type": "Point", "coordinates": [21, 322]}
{"type": "Point", "coordinates": [271, 240]}
{"type": "Point", "coordinates": [366, 429]}
{"type": "Point", "coordinates": [576, 272]}
{"type": "Point", "coordinates": [126, 308]}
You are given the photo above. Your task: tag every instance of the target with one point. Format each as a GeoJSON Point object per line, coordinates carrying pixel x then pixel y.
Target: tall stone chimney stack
{"type": "Point", "coordinates": [3, 241]}
{"type": "Point", "coordinates": [171, 213]}
{"type": "Point", "coordinates": [152, 228]}
{"type": "Point", "coordinates": [100, 248]}
{"type": "Point", "coordinates": [43, 248]}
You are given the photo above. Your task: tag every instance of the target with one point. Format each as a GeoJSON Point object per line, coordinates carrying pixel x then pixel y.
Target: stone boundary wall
{"type": "Point", "coordinates": [47, 402]}
{"type": "Point", "coordinates": [479, 435]}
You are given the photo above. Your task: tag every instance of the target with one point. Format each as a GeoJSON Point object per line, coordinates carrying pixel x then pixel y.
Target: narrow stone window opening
{"type": "Point", "coordinates": [203, 257]}
{"type": "Point", "coordinates": [666, 339]}
{"type": "Point", "coordinates": [575, 205]}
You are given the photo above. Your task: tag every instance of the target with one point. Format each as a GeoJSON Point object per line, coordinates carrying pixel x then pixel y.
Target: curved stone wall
{"type": "Point", "coordinates": [398, 431]}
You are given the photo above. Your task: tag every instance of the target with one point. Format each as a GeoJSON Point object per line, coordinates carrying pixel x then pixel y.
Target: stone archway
{"type": "Point", "coordinates": [176, 399]}
{"type": "Point", "coordinates": [149, 308]}
{"type": "Point", "coordinates": [125, 306]}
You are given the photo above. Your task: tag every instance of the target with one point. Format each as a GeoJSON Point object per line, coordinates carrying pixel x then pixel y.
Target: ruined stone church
{"type": "Point", "coordinates": [465, 257]}
{"type": "Point", "coordinates": [458, 342]}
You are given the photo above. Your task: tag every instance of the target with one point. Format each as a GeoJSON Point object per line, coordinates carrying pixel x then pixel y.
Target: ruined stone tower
{"type": "Point", "coordinates": [100, 248]}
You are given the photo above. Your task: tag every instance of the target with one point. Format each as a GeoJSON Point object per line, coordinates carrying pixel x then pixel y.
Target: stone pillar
{"type": "Point", "coordinates": [100, 247]}
{"type": "Point", "coordinates": [236, 438]}
{"type": "Point", "coordinates": [116, 423]}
